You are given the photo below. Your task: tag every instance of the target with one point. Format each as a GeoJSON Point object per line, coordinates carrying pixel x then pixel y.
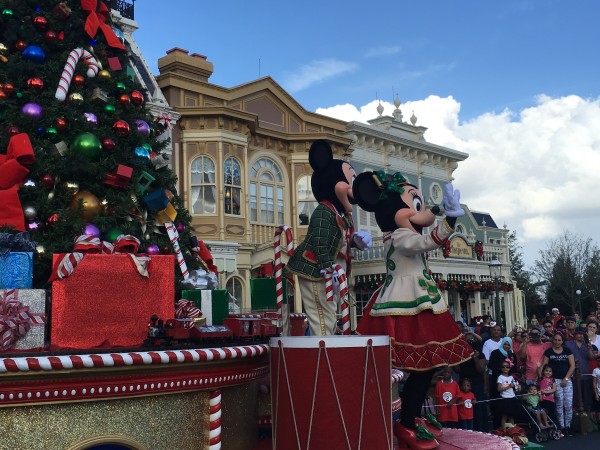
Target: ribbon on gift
{"type": "Point", "coordinates": [97, 14]}
{"type": "Point", "coordinates": [12, 173]}
{"type": "Point", "coordinates": [15, 243]}
{"type": "Point", "coordinates": [15, 319]}
{"type": "Point", "coordinates": [186, 309]}
{"type": "Point", "coordinates": [124, 244]}
{"type": "Point", "coordinates": [165, 120]}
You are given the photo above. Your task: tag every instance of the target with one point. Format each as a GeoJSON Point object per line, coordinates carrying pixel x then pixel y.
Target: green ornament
{"type": "Point", "coordinates": [121, 86]}
{"type": "Point", "coordinates": [51, 132]}
{"type": "Point", "coordinates": [147, 147]}
{"type": "Point", "coordinates": [112, 235]}
{"type": "Point", "coordinates": [109, 108]}
{"type": "Point", "coordinates": [88, 145]}
{"type": "Point", "coordinates": [19, 95]}
{"type": "Point", "coordinates": [7, 12]}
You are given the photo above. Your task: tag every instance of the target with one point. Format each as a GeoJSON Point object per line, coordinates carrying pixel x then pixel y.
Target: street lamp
{"type": "Point", "coordinates": [496, 274]}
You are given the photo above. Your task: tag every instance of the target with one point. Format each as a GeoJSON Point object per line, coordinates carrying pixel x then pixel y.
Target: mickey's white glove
{"type": "Point", "coordinates": [451, 202]}
{"type": "Point", "coordinates": [363, 240]}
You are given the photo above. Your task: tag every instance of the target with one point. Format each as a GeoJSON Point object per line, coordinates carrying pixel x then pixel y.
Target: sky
{"type": "Point", "coordinates": [515, 84]}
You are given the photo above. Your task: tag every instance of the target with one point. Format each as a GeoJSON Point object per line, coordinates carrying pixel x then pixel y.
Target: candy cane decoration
{"type": "Point", "coordinates": [174, 236]}
{"type": "Point", "coordinates": [279, 264]}
{"type": "Point", "coordinates": [214, 434]}
{"type": "Point", "coordinates": [67, 73]}
{"type": "Point", "coordinates": [343, 294]}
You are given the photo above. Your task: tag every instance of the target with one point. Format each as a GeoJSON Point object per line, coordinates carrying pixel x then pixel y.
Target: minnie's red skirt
{"type": "Point", "coordinates": [420, 342]}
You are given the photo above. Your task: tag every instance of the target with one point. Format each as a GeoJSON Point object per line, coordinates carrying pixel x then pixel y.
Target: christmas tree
{"type": "Point", "coordinates": [80, 153]}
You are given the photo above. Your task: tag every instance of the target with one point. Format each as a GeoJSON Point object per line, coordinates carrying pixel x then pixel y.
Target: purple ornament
{"type": "Point", "coordinates": [142, 127]}
{"type": "Point", "coordinates": [91, 119]}
{"type": "Point", "coordinates": [91, 230]}
{"type": "Point", "coordinates": [33, 225]}
{"type": "Point", "coordinates": [33, 110]}
{"type": "Point", "coordinates": [153, 249]}
{"type": "Point", "coordinates": [180, 227]}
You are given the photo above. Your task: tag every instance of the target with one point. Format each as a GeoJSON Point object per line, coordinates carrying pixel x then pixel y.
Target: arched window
{"type": "Point", "coordinates": [306, 200]}
{"type": "Point", "coordinates": [204, 189]}
{"type": "Point", "coordinates": [266, 192]}
{"type": "Point", "coordinates": [234, 287]}
{"type": "Point", "coordinates": [233, 186]}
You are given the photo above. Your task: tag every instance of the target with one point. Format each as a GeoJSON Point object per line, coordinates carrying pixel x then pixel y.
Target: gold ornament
{"type": "Point", "coordinates": [90, 205]}
{"type": "Point", "coordinates": [104, 74]}
{"type": "Point", "coordinates": [76, 98]}
{"type": "Point", "coordinates": [71, 187]}
{"type": "Point", "coordinates": [40, 249]}
{"type": "Point", "coordinates": [3, 49]}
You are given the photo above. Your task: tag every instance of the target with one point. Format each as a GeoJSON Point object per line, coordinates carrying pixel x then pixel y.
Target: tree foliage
{"type": "Point", "coordinates": [522, 276]}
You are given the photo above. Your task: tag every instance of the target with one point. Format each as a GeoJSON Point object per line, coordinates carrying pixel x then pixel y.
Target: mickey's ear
{"type": "Point", "coordinates": [320, 155]}
{"type": "Point", "coordinates": [366, 192]}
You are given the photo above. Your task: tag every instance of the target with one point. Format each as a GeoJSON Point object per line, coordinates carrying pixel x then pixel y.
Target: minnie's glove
{"type": "Point", "coordinates": [451, 202]}
{"type": "Point", "coordinates": [363, 240]}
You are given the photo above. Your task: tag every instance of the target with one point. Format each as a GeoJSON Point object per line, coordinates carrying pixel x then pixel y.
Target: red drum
{"type": "Point", "coordinates": [331, 392]}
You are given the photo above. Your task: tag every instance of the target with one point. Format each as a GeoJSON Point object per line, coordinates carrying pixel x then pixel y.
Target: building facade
{"type": "Point", "coordinates": [241, 156]}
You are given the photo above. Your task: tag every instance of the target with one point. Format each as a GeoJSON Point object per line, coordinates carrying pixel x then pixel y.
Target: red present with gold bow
{"type": "Point", "coordinates": [22, 319]}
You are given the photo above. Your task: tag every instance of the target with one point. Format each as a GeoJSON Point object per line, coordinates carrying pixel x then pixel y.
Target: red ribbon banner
{"type": "Point", "coordinates": [98, 13]}
{"type": "Point", "coordinates": [15, 319]}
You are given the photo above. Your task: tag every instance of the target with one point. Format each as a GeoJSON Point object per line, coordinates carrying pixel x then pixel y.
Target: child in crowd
{"type": "Point", "coordinates": [532, 399]}
{"type": "Point", "coordinates": [508, 388]}
{"type": "Point", "coordinates": [447, 393]}
{"type": "Point", "coordinates": [465, 405]}
{"type": "Point", "coordinates": [595, 413]}
{"type": "Point", "coordinates": [547, 389]}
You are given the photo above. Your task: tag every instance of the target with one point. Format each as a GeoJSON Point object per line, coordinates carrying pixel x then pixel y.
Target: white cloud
{"type": "Point", "coordinates": [316, 72]}
{"type": "Point", "coordinates": [382, 51]}
{"type": "Point", "coordinates": [535, 170]}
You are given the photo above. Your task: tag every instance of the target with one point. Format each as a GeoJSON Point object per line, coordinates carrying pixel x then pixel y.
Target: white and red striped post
{"type": "Point", "coordinates": [279, 265]}
{"type": "Point", "coordinates": [214, 435]}
{"type": "Point", "coordinates": [174, 237]}
{"type": "Point", "coordinates": [67, 73]}
{"type": "Point", "coordinates": [343, 294]}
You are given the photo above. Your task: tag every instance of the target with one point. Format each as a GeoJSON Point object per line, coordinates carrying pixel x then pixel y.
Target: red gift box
{"type": "Point", "coordinates": [105, 302]}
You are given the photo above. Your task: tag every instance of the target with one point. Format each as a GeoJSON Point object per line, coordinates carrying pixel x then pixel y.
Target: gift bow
{"type": "Point", "coordinates": [15, 319]}
{"type": "Point", "coordinates": [389, 184]}
{"type": "Point", "coordinates": [186, 309]}
{"type": "Point", "coordinates": [84, 244]}
{"type": "Point", "coordinates": [165, 120]}
{"type": "Point", "coordinates": [97, 19]}
{"type": "Point", "coordinates": [15, 243]}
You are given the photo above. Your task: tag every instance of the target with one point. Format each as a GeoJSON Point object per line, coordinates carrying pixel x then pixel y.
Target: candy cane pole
{"type": "Point", "coordinates": [343, 294]}
{"type": "Point", "coordinates": [174, 236]}
{"type": "Point", "coordinates": [279, 264]}
{"type": "Point", "coordinates": [67, 73]}
{"type": "Point", "coordinates": [214, 434]}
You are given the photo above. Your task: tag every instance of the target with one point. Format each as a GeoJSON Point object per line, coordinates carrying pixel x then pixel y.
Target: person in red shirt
{"type": "Point", "coordinates": [447, 393]}
{"type": "Point", "coordinates": [465, 405]}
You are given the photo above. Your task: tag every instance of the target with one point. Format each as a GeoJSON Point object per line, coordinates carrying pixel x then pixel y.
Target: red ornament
{"type": "Point", "coordinates": [108, 144]}
{"type": "Point", "coordinates": [52, 219]}
{"type": "Point", "coordinates": [3, 95]}
{"type": "Point", "coordinates": [35, 84]}
{"type": "Point", "coordinates": [61, 124]}
{"type": "Point", "coordinates": [121, 128]}
{"type": "Point", "coordinates": [47, 180]}
{"type": "Point", "coordinates": [137, 98]}
{"type": "Point", "coordinates": [124, 99]}
{"type": "Point", "coordinates": [166, 251]}
{"type": "Point", "coordinates": [78, 80]}
{"type": "Point", "coordinates": [12, 130]}
{"type": "Point", "coordinates": [8, 88]}
{"type": "Point", "coordinates": [40, 23]}
{"type": "Point", "coordinates": [20, 45]}
{"type": "Point", "coordinates": [50, 37]}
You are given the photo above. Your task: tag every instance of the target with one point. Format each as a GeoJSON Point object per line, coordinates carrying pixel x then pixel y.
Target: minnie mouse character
{"type": "Point", "coordinates": [409, 307]}
{"type": "Point", "coordinates": [329, 238]}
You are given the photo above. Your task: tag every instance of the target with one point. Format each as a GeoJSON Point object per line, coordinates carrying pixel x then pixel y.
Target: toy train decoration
{"type": "Point", "coordinates": [248, 328]}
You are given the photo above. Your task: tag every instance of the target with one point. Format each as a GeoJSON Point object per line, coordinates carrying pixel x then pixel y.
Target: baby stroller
{"type": "Point", "coordinates": [541, 434]}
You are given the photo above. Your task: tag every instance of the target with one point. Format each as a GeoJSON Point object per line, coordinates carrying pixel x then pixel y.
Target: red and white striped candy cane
{"type": "Point", "coordinates": [279, 264]}
{"type": "Point", "coordinates": [67, 73]}
{"type": "Point", "coordinates": [214, 432]}
{"type": "Point", "coordinates": [343, 294]}
{"type": "Point", "coordinates": [174, 236]}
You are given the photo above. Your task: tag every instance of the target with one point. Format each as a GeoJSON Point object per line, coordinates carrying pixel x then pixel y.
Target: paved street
{"type": "Point", "coordinates": [578, 442]}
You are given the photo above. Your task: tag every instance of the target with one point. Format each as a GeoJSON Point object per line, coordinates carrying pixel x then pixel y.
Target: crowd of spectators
{"type": "Point", "coordinates": [550, 367]}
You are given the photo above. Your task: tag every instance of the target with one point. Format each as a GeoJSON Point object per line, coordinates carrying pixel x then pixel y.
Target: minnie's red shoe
{"type": "Point", "coordinates": [431, 424]}
{"type": "Point", "coordinates": [419, 439]}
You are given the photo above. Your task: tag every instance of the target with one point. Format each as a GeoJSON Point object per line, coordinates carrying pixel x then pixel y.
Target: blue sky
{"type": "Point", "coordinates": [516, 84]}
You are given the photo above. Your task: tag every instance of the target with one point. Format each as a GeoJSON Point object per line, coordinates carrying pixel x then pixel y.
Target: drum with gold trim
{"type": "Point", "coordinates": [331, 392]}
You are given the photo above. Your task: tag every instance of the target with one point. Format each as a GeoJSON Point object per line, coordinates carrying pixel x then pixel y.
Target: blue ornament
{"type": "Point", "coordinates": [34, 53]}
{"type": "Point", "coordinates": [141, 151]}
{"type": "Point", "coordinates": [119, 35]}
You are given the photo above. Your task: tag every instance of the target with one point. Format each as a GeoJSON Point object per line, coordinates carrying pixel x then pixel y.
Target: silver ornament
{"type": "Point", "coordinates": [30, 213]}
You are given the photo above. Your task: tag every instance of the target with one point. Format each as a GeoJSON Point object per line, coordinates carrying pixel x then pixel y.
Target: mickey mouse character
{"type": "Point", "coordinates": [408, 306]}
{"type": "Point", "coordinates": [329, 238]}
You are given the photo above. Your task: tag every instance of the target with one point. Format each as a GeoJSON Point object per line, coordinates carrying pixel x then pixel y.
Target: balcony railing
{"type": "Point", "coordinates": [125, 7]}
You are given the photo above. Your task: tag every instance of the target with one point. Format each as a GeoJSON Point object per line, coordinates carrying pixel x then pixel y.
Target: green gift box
{"type": "Point", "coordinates": [214, 304]}
{"type": "Point", "coordinates": [263, 295]}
